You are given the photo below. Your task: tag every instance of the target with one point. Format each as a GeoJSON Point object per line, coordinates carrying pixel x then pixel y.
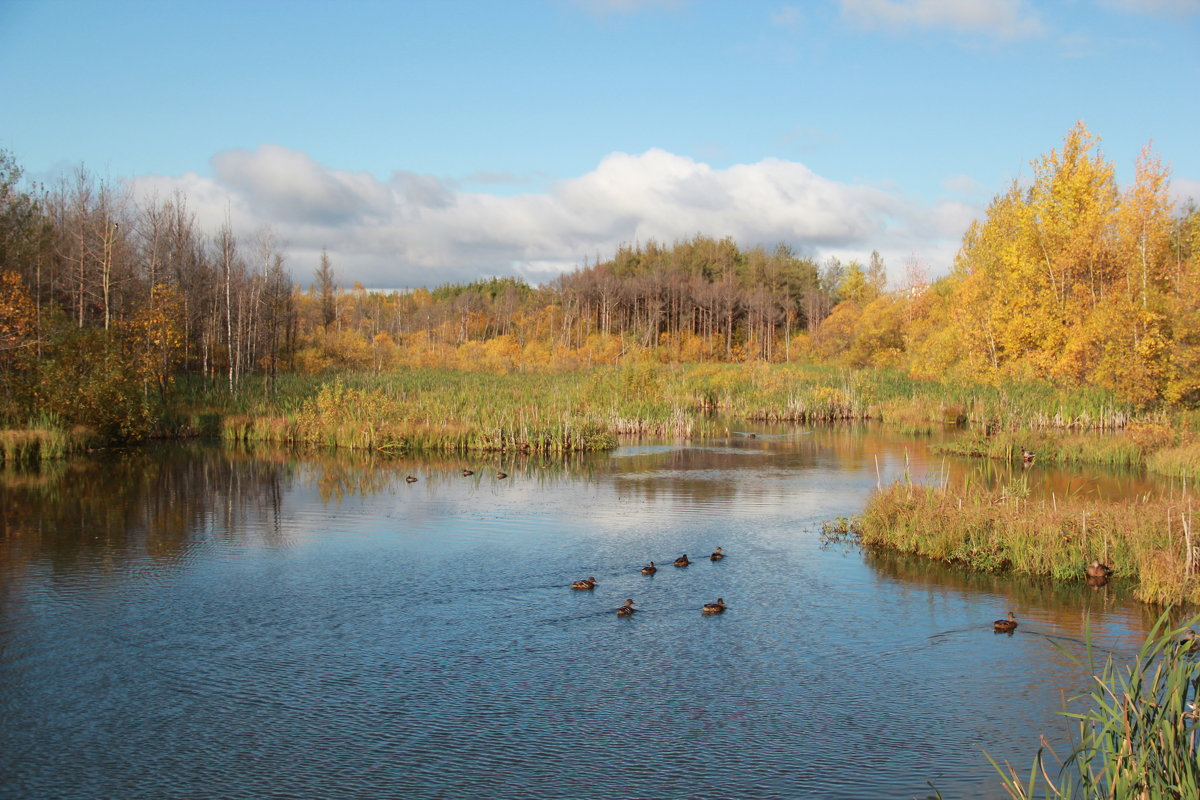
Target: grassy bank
{"type": "Point", "coordinates": [430, 410]}
{"type": "Point", "coordinates": [452, 410]}
{"type": "Point", "coordinates": [1160, 446]}
{"type": "Point", "coordinates": [42, 441]}
{"type": "Point", "coordinates": [1152, 542]}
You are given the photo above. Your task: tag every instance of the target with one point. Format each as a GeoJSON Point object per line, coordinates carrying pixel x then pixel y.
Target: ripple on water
{"type": "Point", "coordinates": [426, 643]}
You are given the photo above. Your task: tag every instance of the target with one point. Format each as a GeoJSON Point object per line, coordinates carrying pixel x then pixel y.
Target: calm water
{"type": "Point", "coordinates": [198, 623]}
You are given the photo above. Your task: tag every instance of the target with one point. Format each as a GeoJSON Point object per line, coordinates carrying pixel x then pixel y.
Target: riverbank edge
{"type": "Point", "coordinates": [1152, 541]}
{"type": "Point", "coordinates": [445, 410]}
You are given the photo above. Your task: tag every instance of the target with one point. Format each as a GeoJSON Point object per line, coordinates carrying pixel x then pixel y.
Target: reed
{"type": "Point", "coordinates": [1138, 734]}
{"type": "Point", "coordinates": [44, 439]}
{"type": "Point", "coordinates": [1150, 541]}
{"type": "Point", "coordinates": [432, 408]}
{"type": "Point", "coordinates": [1179, 462]}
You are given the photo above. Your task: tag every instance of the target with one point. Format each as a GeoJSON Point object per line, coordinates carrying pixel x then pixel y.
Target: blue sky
{"type": "Point", "coordinates": [426, 142]}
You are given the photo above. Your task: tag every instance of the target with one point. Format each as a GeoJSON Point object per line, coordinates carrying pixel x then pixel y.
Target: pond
{"type": "Point", "coordinates": [194, 621]}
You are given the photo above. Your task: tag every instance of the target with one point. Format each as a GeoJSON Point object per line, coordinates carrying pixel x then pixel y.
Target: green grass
{"type": "Point", "coordinates": [444, 409]}
{"type": "Point", "coordinates": [432, 409]}
{"type": "Point", "coordinates": [1137, 736]}
{"type": "Point", "coordinates": [44, 439]}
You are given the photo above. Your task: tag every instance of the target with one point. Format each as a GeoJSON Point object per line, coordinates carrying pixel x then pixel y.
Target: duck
{"type": "Point", "coordinates": [468, 472]}
{"type": "Point", "coordinates": [682, 561]}
{"type": "Point", "coordinates": [717, 555]}
{"type": "Point", "coordinates": [1006, 625]}
{"type": "Point", "coordinates": [714, 608]}
{"type": "Point", "coordinates": [627, 609]}
{"type": "Point", "coordinates": [501, 475]}
{"type": "Point", "coordinates": [649, 569]}
{"type": "Point", "coordinates": [410, 479]}
{"type": "Point", "coordinates": [1189, 642]}
{"type": "Point", "coordinates": [1098, 570]}
{"type": "Point", "coordinates": [1027, 455]}
{"type": "Point", "coordinates": [588, 583]}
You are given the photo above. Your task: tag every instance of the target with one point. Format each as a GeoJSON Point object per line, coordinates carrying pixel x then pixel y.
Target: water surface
{"type": "Point", "coordinates": [190, 621]}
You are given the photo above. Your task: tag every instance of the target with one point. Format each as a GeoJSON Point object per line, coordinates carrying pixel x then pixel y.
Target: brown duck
{"type": "Point", "coordinates": [713, 608]}
{"type": "Point", "coordinates": [627, 609]}
{"type": "Point", "coordinates": [682, 561]}
{"type": "Point", "coordinates": [1006, 625]}
{"type": "Point", "coordinates": [649, 569]}
{"type": "Point", "coordinates": [717, 555]}
{"type": "Point", "coordinates": [587, 583]}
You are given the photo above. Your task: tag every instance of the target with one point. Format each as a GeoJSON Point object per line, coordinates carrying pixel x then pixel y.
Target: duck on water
{"type": "Point", "coordinates": [1005, 625]}
{"type": "Point", "coordinates": [714, 608]}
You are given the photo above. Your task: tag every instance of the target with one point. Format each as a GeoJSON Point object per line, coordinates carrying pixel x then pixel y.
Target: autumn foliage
{"type": "Point", "coordinates": [1067, 278]}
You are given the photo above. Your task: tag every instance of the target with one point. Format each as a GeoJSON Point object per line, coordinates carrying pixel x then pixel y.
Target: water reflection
{"type": "Point", "coordinates": [193, 613]}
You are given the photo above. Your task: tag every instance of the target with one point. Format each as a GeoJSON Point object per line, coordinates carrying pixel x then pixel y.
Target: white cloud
{"type": "Point", "coordinates": [419, 230]}
{"type": "Point", "coordinates": [963, 185]}
{"type": "Point", "coordinates": [1003, 19]}
{"type": "Point", "coordinates": [1184, 189]}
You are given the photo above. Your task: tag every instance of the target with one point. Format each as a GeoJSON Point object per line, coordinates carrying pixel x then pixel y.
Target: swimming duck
{"type": "Point", "coordinates": [467, 472]}
{"type": "Point", "coordinates": [1189, 642]}
{"type": "Point", "coordinates": [682, 561]}
{"type": "Point", "coordinates": [410, 479]}
{"type": "Point", "coordinates": [627, 609]}
{"type": "Point", "coordinates": [501, 475]}
{"type": "Point", "coordinates": [589, 583]}
{"type": "Point", "coordinates": [650, 569]}
{"type": "Point", "coordinates": [1006, 625]}
{"type": "Point", "coordinates": [714, 608]}
{"type": "Point", "coordinates": [1098, 570]}
{"type": "Point", "coordinates": [717, 555]}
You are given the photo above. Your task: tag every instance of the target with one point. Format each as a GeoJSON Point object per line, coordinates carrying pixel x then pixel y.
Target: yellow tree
{"type": "Point", "coordinates": [17, 338]}
{"type": "Point", "coordinates": [1072, 201]}
{"type": "Point", "coordinates": [154, 339]}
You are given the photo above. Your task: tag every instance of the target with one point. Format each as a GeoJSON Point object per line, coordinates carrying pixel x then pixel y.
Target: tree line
{"type": "Point", "coordinates": [104, 300]}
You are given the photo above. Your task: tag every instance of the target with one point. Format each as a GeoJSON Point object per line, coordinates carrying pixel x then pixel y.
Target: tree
{"type": "Point", "coordinates": [326, 290]}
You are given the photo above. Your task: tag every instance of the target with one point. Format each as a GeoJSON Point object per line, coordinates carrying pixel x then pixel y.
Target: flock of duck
{"type": "Point", "coordinates": [466, 474]}
{"type": "Point", "coordinates": [1097, 575]}
{"type": "Point", "coordinates": [589, 583]}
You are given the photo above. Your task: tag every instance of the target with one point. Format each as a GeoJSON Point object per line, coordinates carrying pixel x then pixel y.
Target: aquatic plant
{"type": "Point", "coordinates": [1138, 734]}
{"type": "Point", "coordinates": [1150, 539]}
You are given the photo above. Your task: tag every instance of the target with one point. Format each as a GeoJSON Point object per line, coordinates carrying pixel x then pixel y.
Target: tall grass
{"type": "Point", "coordinates": [1152, 542]}
{"type": "Point", "coordinates": [445, 409]}
{"type": "Point", "coordinates": [1138, 735]}
{"type": "Point", "coordinates": [1154, 445]}
{"type": "Point", "coordinates": [1182, 461]}
{"type": "Point", "coordinates": [44, 439]}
